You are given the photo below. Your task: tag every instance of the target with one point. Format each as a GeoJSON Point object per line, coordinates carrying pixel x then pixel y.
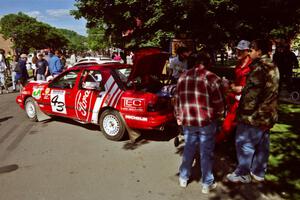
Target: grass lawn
{"type": "Point", "coordinates": [284, 162]}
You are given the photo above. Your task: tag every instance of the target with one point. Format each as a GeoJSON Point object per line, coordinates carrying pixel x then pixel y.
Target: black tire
{"type": "Point", "coordinates": [31, 109]}
{"type": "Point", "coordinates": [112, 125]}
{"type": "Point", "coordinates": [295, 96]}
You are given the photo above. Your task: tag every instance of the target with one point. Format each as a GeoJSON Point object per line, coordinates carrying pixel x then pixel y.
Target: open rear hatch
{"type": "Point", "coordinates": [148, 61]}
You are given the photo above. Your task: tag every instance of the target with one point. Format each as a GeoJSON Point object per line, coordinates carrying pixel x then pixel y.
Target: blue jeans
{"type": "Point", "coordinates": [252, 148]}
{"type": "Point", "coordinates": [204, 139]}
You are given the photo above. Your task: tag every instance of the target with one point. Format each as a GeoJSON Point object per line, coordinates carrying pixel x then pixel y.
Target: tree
{"type": "Point", "coordinates": [76, 42]}
{"type": "Point", "coordinates": [97, 40]}
{"type": "Point", "coordinates": [211, 22]}
{"type": "Point", "coordinates": [26, 32]}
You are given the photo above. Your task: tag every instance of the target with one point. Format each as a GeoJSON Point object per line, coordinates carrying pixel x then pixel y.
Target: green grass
{"type": "Point", "coordinates": [284, 161]}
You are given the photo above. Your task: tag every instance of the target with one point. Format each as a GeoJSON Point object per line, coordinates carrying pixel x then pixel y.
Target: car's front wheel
{"type": "Point", "coordinates": [31, 109]}
{"type": "Point", "coordinates": [112, 125]}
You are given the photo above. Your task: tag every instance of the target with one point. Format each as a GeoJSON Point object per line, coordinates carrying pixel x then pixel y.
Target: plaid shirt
{"type": "Point", "coordinates": [199, 97]}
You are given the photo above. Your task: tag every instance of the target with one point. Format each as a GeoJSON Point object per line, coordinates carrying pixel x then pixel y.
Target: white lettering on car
{"type": "Point", "coordinates": [129, 102]}
{"type": "Point", "coordinates": [133, 104]}
{"type": "Point", "coordinates": [144, 119]}
{"type": "Point", "coordinates": [82, 102]}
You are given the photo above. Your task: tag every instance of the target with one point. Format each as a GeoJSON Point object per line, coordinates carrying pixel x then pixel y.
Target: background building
{"type": "Point", "coordinates": [6, 45]}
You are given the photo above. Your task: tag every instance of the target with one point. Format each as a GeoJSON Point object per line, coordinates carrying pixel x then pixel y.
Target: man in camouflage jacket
{"type": "Point", "coordinates": [257, 113]}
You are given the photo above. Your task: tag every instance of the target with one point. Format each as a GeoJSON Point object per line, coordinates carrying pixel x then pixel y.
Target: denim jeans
{"type": "Point", "coordinates": [252, 148]}
{"type": "Point", "coordinates": [204, 139]}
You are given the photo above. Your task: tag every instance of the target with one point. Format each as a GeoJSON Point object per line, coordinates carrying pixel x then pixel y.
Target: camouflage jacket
{"type": "Point", "coordinates": [258, 105]}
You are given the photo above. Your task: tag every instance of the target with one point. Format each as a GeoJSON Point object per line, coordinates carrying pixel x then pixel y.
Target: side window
{"type": "Point", "coordinates": [91, 80]}
{"type": "Point", "coordinates": [67, 81]}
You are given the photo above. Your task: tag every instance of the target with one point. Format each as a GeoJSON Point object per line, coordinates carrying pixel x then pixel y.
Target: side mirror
{"type": "Point", "coordinates": [91, 85]}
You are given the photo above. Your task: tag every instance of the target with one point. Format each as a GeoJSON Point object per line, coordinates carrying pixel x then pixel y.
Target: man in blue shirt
{"type": "Point", "coordinates": [55, 65]}
{"type": "Point", "coordinates": [21, 73]}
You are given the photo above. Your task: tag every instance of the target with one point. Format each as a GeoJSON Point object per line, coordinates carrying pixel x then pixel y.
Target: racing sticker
{"type": "Point", "coordinates": [47, 93]}
{"type": "Point", "coordinates": [138, 118]}
{"type": "Point", "coordinates": [36, 93]}
{"type": "Point", "coordinates": [57, 100]}
{"type": "Point", "coordinates": [83, 104]}
{"type": "Point", "coordinates": [133, 104]}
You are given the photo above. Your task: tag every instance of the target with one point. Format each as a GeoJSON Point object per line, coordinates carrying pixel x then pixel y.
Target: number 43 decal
{"type": "Point", "coordinates": [58, 101]}
{"type": "Point", "coordinates": [58, 104]}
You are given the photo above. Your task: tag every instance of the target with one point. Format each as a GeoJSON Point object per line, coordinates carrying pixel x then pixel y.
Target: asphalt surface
{"type": "Point", "coordinates": [60, 159]}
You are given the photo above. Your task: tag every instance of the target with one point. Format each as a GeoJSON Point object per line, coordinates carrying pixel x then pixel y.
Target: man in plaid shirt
{"type": "Point", "coordinates": [199, 103]}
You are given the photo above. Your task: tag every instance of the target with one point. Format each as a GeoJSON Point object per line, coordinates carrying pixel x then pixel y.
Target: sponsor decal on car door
{"type": "Point", "coordinates": [83, 103]}
{"type": "Point", "coordinates": [57, 101]}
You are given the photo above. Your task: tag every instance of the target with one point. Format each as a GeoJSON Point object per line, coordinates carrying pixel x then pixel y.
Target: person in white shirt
{"type": "Point", "coordinates": [2, 71]}
{"type": "Point", "coordinates": [73, 59]}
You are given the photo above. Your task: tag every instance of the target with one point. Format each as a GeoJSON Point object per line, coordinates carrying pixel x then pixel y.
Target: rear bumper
{"type": "Point", "coordinates": [150, 121]}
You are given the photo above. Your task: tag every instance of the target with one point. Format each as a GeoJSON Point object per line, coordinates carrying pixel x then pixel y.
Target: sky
{"type": "Point", "coordinates": [52, 12]}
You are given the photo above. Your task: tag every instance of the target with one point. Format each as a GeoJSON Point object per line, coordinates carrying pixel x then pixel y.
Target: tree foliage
{"type": "Point", "coordinates": [26, 32]}
{"type": "Point", "coordinates": [97, 39]}
{"type": "Point", "coordinates": [76, 42]}
{"type": "Point", "coordinates": [212, 22]}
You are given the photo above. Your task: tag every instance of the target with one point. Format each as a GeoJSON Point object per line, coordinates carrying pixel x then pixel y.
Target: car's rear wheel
{"type": "Point", "coordinates": [31, 109]}
{"type": "Point", "coordinates": [295, 96]}
{"type": "Point", "coordinates": [112, 125]}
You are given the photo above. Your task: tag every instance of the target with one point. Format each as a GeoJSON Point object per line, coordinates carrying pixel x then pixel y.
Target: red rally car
{"type": "Point", "coordinates": [115, 96]}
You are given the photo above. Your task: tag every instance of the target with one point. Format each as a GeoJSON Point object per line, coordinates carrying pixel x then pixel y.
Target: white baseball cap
{"type": "Point", "coordinates": [243, 45]}
{"type": "Point", "coordinates": [23, 55]}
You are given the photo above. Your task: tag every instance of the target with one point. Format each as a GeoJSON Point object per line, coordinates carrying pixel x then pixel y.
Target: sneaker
{"type": "Point", "coordinates": [233, 177]}
{"type": "Point", "coordinates": [207, 188]}
{"type": "Point", "coordinates": [257, 178]}
{"type": "Point", "coordinates": [182, 182]}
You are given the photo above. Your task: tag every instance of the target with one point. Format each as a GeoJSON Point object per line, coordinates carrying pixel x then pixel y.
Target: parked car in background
{"type": "Point", "coordinates": [94, 61]}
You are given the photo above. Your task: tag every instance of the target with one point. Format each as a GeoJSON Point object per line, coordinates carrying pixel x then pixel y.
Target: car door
{"type": "Point", "coordinates": [61, 94]}
{"type": "Point", "coordinates": [89, 87]}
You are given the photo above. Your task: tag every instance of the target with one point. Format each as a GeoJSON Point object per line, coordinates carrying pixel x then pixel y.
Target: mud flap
{"type": "Point", "coordinates": [133, 134]}
{"type": "Point", "coordinates": [40, 115]}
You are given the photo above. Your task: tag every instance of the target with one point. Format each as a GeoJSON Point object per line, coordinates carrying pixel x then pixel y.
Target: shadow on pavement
{"type": "Point", "coordinates": [147, 135]}
{"type": "Point", "coordinates": [5, 118]}
{"type": "Point", "coordinates": [91, 127]}
{"type": "Point", "coordinates": [152, 135]}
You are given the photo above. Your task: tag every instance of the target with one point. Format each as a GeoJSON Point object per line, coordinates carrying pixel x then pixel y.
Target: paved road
{"type": "Point", "coordinates": [60, 159]}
